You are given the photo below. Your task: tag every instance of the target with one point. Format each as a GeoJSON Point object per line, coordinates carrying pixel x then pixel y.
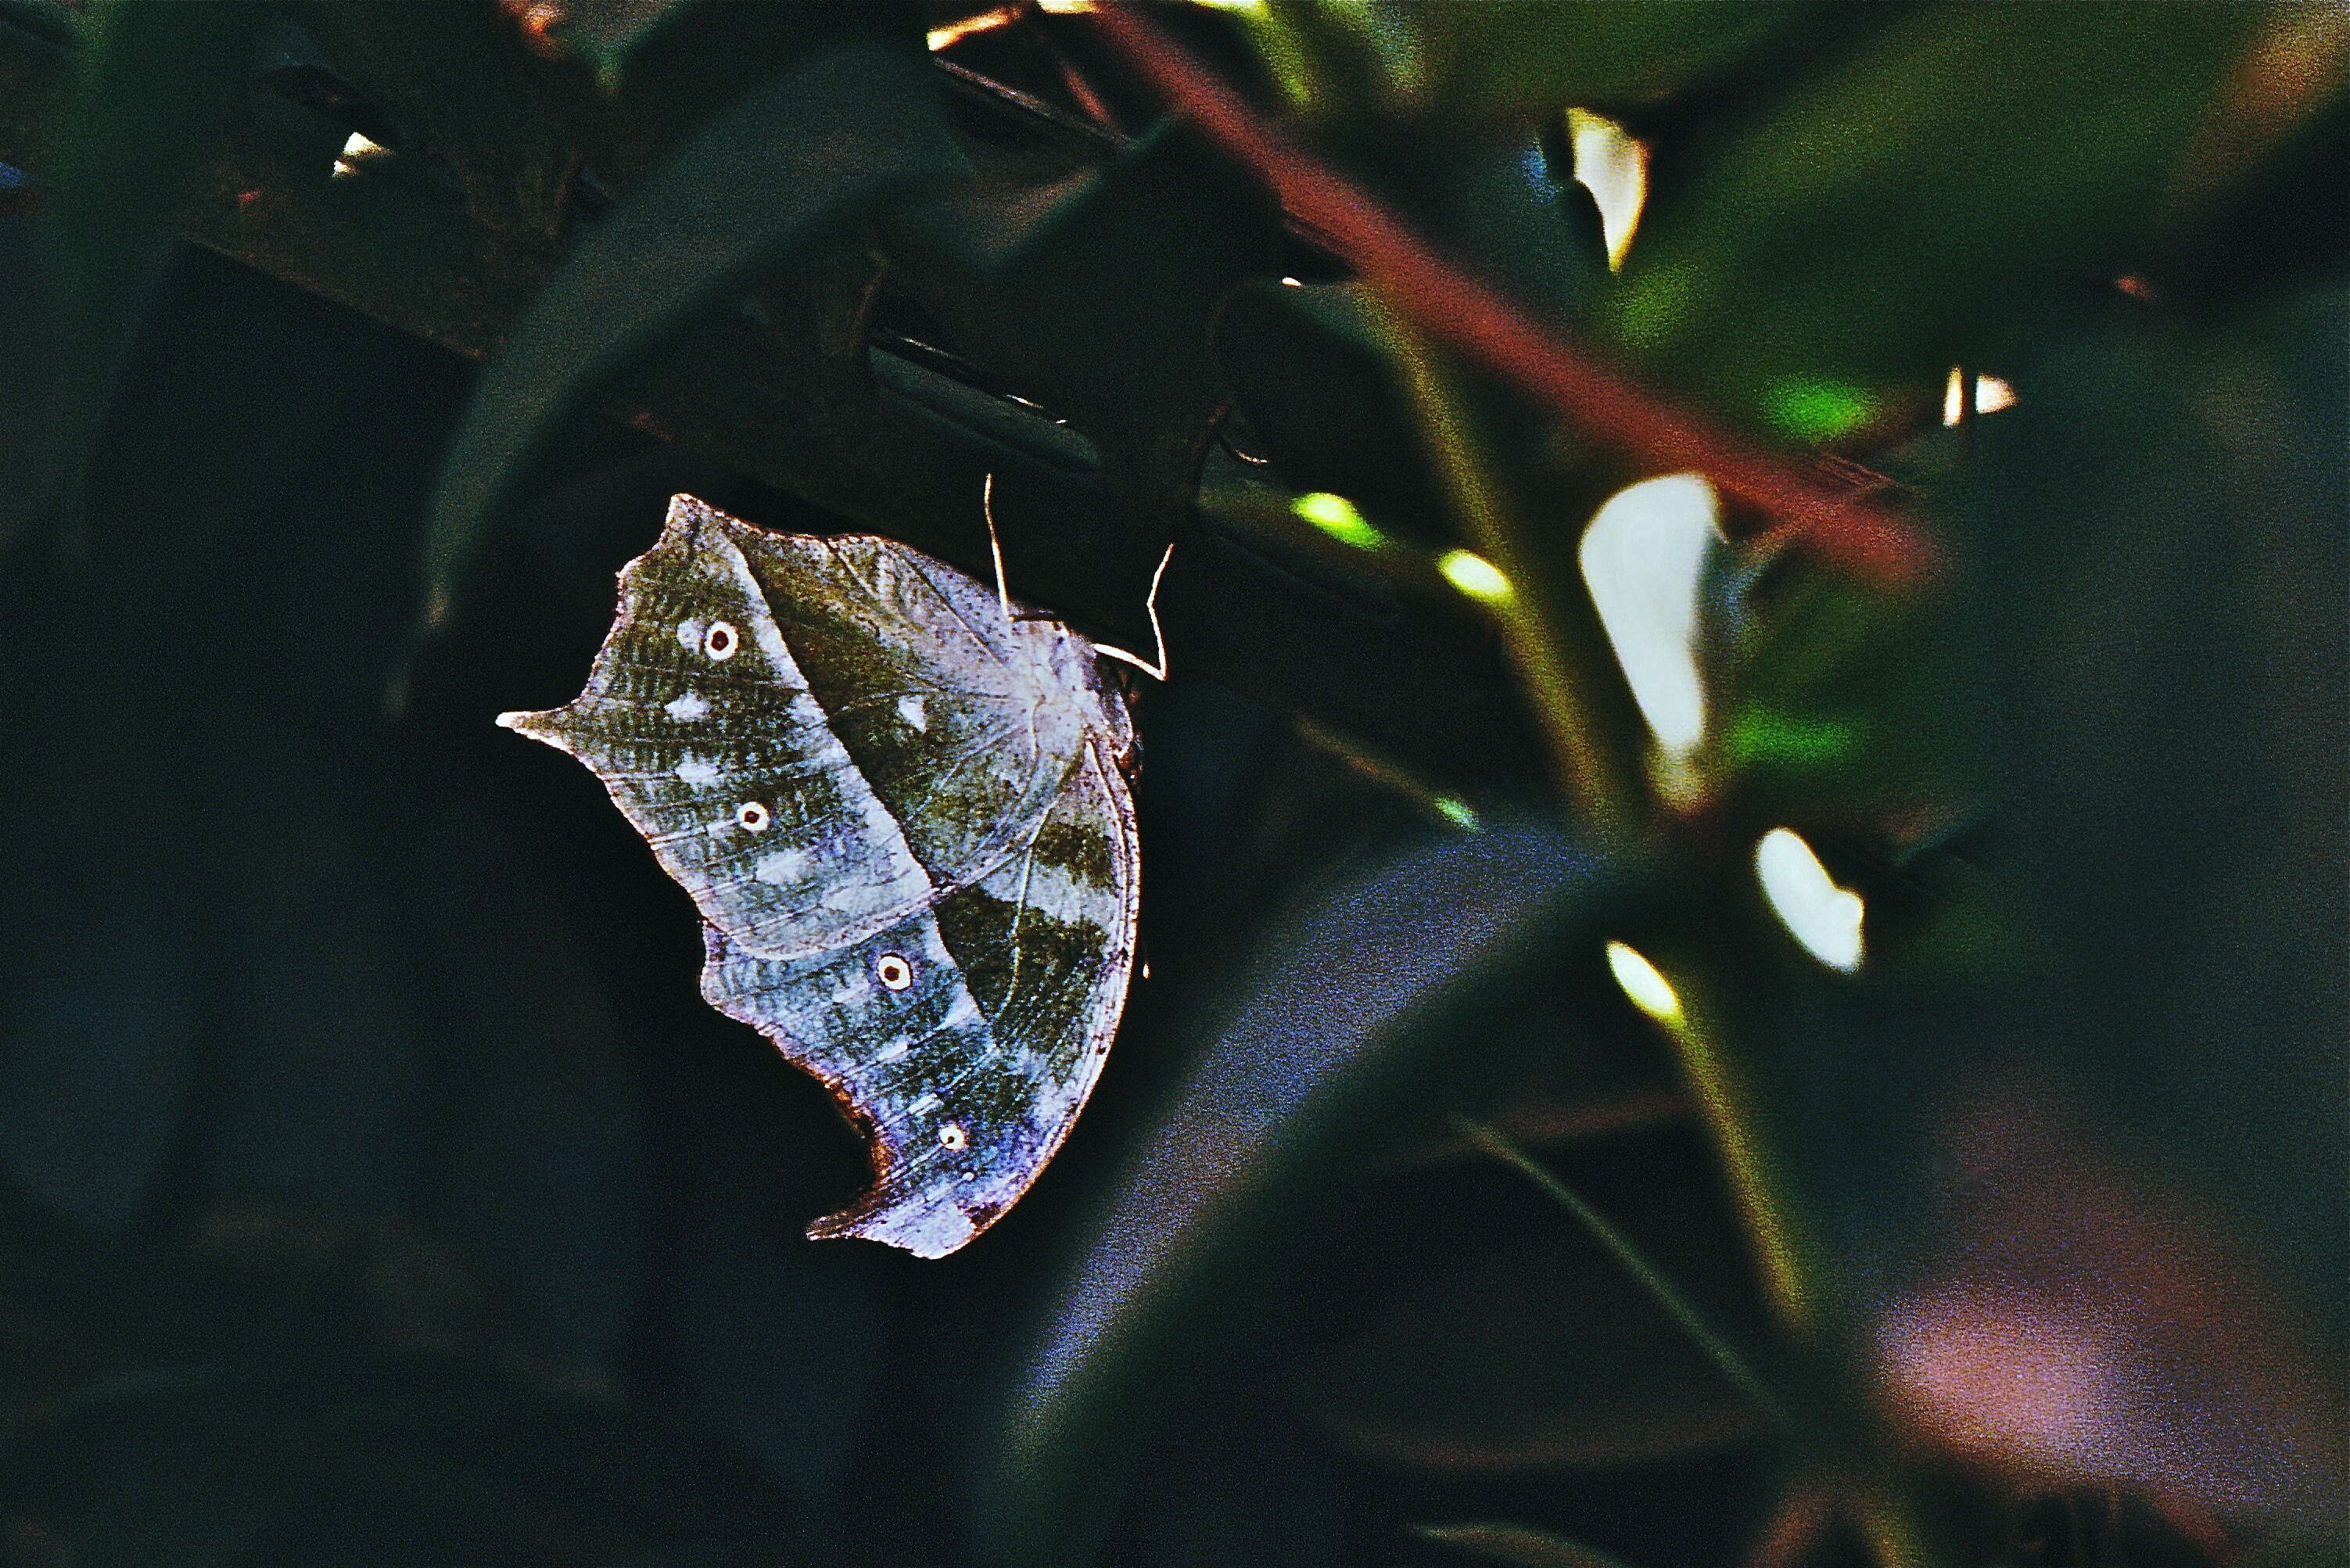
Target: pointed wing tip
{"type": "Point", "coordinates": [538, 726]}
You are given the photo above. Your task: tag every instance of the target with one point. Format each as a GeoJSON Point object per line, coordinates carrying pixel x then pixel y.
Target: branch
{"type": "Point", "coordinates": [1475, 318]}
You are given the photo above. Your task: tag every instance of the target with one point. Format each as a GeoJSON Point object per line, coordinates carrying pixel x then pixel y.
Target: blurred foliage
{"type": "Point", "coordinates": [376, 1190]}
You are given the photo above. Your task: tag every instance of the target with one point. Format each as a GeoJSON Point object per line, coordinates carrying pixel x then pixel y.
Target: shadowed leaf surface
{"type": "Point", "coordinates": [1362, 1008]}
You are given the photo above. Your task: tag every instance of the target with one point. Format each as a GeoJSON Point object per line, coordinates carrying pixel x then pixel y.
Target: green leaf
{"type": "Point", "coordinates": [1385, 1001]}
{"type": "Point", "coordinates": [1518, 1546]}
{"type": "Point", "coordinates": [1518, 59]}
{"type": "Point", "coordinates": [2163, 514]}
{"type": "Point", "coordinates": [783, 172]}
{"type": "Point", "coordinates": [1910, 206]}
{"type": "Point", "coordinates": [1843, 701]}
{"type": "Point", "coordinates": [153, 83]}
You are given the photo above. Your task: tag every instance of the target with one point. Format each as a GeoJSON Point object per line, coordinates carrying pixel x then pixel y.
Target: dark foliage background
{"type": "Point", "coordinates": [374, 1187]}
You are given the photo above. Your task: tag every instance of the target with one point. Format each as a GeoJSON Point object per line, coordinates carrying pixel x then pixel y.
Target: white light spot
{"type": "Point", "coordinates": [910, 709]}
{"type": "Point", "coordinates": [1649, 990]}
{"type": "Point", "coordinates": [1822, 916]}
{"type": "Point", "coordinates": [753, 818]}
{"type": "Point", "coordinates": [720, 640]}
{"type": "Point", "coordinates": [891, 1052]}
{"type": "Point", "coordinates": [782, 868]}
{"type": "Point", "coordinates": [686, 709]}
{"type": "Point", "coordinates": [688, 634]}
{"type": "Point", "coordinates": [1291, 283]}
{"type": "Point", "coordinates": [357, 151]}
{"type": "Point", "coordinates": [893, 971]}
{"type": "Point", "coordinates": [1991, 394]}
{"type": "Point", "coordinates": [921, 1103]}
{"type": "Point", "coordinates": [697, 771]}
{"type": "Point", "coordinates": [1642, 557]}
{"type": "Point", "coordinates": [1614, 167]}
{"type": "Point", "coordinates": [951, 1136]}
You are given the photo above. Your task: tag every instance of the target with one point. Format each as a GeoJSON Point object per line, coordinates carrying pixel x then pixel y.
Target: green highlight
{"type": "Point", "coordinates": [1335, 515]}
{"type": "Point", "coordinates": [1475, 575]}
{"type": "Point", "coordinates": [1458, 813]}
{"type": "Point", "coordinates": [1819, 411]}
{"type": "Point", "coordinates": [1761, 735]}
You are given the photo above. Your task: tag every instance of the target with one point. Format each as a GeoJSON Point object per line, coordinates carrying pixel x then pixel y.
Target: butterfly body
{"type": "Point", "coordinates": [903, 816]}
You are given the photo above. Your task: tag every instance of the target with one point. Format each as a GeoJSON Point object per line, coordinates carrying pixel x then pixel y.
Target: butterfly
{"type": "Point", "coordinates": [903, 814]}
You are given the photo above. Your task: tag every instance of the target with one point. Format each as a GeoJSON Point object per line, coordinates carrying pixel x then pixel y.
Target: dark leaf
{"type": "Point", "coordinates": [1517, 1545]}
{"type": "Point", "coordinates": [787, 168]}
{"type": "Point", "coordinates": [1366, 1010]}
{"type": "Point", "coordinates": [448, 75]}
{"type": "Point", "coordinates": [1534, 1350]}
{"type": "Point", "coordinates": [2167, 516]}
{"type": "Point", "coordinates": [153, 82]}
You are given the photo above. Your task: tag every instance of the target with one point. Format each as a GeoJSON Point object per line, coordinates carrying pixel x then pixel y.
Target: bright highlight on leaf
{"type": "Point", "coordinates": [1335, 515]}
{"type": "Point", "coordinates": [1822, 916]}
{"type": "Point", "coordinates": [1641, 558]}
{"type": "Point", "coordinates": [952, 33]}
{"type": "Point", "coordinates": [1614, 167]}
{"type": "Point", "coordinates": [1474, 576]}
{"type": "Point", "coordinates": [357, 151]}
{"type": "Point", "coordinates": [1459, 813]}
{"type": "Point", "coordinates": [1819, 411]}
{"type": "Point", "coordinates": [1649, 990]}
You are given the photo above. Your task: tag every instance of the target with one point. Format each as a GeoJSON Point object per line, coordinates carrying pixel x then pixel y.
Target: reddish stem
{"type": "Point", "coordinates": [1478, 320]}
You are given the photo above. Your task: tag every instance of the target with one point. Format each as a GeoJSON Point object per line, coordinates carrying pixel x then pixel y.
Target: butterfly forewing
{"type": "Point", "coordinates": [700, 724]}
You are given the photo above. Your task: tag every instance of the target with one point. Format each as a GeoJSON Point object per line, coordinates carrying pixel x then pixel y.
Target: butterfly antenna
{"type": "Point", "coordinates": [995, 547]}
{"type": "Point", "coordinates": [1158, 638]}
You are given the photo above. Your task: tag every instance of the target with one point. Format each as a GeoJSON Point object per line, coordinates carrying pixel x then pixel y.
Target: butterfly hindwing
{"type": "Point", "coordinates": [965, 721]}
{"type": "Point", "coordinates": [935, 913]}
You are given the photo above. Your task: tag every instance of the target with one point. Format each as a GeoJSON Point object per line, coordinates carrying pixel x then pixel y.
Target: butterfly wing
{"type": "Point", "coordinates": [959, 988]}
{"type": "Point", "coordinates": [966, 721]}
{"type": "Point", "coordinates": [969, 1078]}
{"type": "Point", "coordinates": [699, 723]}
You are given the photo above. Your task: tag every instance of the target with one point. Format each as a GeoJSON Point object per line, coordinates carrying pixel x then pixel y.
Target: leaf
{"type": "Point", "coordinates": [785, 171]}
{"type": "Point", "coordinates": [608, 33]}
{"type": "Point", "coordinates": [2163, 512]}
{"type": "Point", "coordinates": [1308, 372]}
{"type": "Point", "coordinates": [1519, 1546]}
{"type": "Point", "coordinates": [1823, 681]}
{"type": "Point", "coordinates": [1908, 208]}
{"type": "Point", "coordinates": [447, 72]}
{"type": "Point", "coordinates": [153, 82]}
{"type": "Point", "coordinates": [1379, 1001]}
{"type": "Point", "coordinates": [1099, 304]}
{"type": "Point", "coordinates": [1520, 59]}
{"type": "Point", "coordinates": [1532, 1349]}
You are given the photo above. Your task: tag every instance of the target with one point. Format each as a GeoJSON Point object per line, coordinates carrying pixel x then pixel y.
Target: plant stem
{"type": "Point", "coordinates": [1794, 1270]}
{"type": "Point", "coordinates": [1685, 1312]}
{"type": "Point", "coordinates": [1547, 617]}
